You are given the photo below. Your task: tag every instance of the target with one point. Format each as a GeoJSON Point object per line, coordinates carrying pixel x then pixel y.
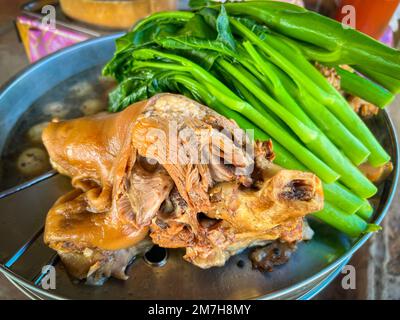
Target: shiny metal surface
{"type": "Point", "coordinates": [22, 213]}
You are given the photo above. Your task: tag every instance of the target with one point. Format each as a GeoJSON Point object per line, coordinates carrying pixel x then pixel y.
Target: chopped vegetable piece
{"type": "Point", "coordinates": [364, 88]}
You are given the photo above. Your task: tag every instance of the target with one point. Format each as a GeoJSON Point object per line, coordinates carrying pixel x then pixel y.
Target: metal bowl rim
{"type": "Point", "coordinates": [30, 69]}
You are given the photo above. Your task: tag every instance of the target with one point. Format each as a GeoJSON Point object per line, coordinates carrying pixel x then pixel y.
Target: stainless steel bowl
{"type": "Point", "coordinates": [23, 210]}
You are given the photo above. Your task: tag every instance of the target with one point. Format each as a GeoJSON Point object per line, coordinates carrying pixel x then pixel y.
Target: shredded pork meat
{"type": "Point", "coordinates": [330, 74]}
{"type": "Point", "coordinates": [176, 171]}
{"type": "Point", "coordinates": [364, 108]}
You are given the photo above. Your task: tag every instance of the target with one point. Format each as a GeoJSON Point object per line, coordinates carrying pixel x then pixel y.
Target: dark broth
{"type": "Point", "coordinates": [72, 94]}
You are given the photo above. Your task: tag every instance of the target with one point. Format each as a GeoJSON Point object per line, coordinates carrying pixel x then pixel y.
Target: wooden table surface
{"type": "Point", "coordinates": [377, 264]}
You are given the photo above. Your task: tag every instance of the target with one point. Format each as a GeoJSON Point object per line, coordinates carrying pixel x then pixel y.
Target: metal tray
{"type": "Point", "coordinates": [23, 210]}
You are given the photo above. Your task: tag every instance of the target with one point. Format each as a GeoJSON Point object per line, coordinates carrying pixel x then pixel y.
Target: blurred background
{"type": "Point", "coordinates": [24, 40]}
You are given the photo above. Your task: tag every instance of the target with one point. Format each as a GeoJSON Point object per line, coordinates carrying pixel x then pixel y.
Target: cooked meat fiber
{"type": "Point", "coordinates": [364, 108]}
{"type": "Point", "coordinates": [376, 175]}
{"type": "Point", "coordinates": [330, 74]}
{"type": "Point", "coordinates": [273, 254]}
{"type": "Point", "coordinates": [96, 265]}
{"type": "Point", "coordinates": [173, 169]}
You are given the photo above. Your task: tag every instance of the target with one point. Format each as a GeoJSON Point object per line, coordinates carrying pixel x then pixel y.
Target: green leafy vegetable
{"type": "Point", "coordinates": [253, 62]}
{"type": "Point", "coordinates": [342, 45]}
{"type": "Point", "coordinates": [316, 85]}
{"type": "Point", "coordinates": [366, 211]}
{"type": "Point", "coordinates": [364, 88]}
